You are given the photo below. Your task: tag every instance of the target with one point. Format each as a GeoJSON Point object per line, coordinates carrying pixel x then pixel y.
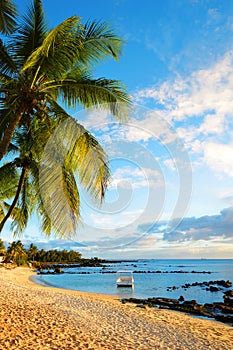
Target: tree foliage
{"type": "Point", "coordinates": [39, 69]}
{"type": "Point", "coordinates": [17, 253]}
{"type": "Point", "coordinates": [7, 16]}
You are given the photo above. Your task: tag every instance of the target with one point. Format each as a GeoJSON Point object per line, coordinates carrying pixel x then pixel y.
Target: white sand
{"type": "Point", "coordinates": [37, 317]}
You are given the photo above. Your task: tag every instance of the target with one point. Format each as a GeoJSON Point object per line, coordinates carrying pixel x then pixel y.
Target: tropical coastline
{"type": "Point", "coordinates": [38, 317]}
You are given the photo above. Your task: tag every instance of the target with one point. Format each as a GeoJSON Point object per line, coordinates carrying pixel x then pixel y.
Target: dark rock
{"type": "Point", "coordinates": [58, 270]}
{"type": "Point", "coordinates": [229, 293]}
{"type": "Point", "coordinates": [228, 300]}
{"type": "Point", "coordinates": [224, 319]}
{"type": "Point", "coordinates": [220, 311]}
{"type": "Point", "coordinates": [190, 302]}
{"type": "Point", "coordinates": [214, 289]}
{"type": "Point", "coordinates": [181, 298]}
{"type": "Point", "coordinates": [226, 284]}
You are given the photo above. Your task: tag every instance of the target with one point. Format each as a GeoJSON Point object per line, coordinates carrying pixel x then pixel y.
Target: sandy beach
{"type": "Point", "coordinates": [37, 317]}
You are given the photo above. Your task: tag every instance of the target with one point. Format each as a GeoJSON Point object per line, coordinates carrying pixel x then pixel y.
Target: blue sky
{"type": "Point", "coordinates": [174, 158]}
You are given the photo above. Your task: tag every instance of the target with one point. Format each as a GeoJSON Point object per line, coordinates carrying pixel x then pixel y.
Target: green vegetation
{"type": "Point", "coordinates": [39, 69]}
{"type": "Point", "coordinates": [17, 254]}
{"type": "Point", "coordinates": [7, 16]}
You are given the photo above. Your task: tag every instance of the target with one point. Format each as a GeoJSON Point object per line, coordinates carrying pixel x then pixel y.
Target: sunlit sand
{"type": "Point", "coordinates": [37, 317]}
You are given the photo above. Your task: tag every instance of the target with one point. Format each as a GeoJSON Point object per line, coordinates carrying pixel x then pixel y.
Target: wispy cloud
{"type": "Point", "coordinates": [200, 108]}
{"type": "Point", "coordinates": [204, 91]}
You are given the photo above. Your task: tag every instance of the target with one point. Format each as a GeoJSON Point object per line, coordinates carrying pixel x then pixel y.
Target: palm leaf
{"type": "Point", "coordinates": [90, 163]}
{"type": "Point", "coordinates": [99, 42]}
{"type": "Point", "coordinates": [46, 224]}
{"type": "Point", "coordinates": [31, 32]}
{"type": "Point", "coordinates": [58, 51]}
{"type": "Point", "coordinates": [93, 93]}
{"type": "Point", "coordinates": [5, 114]}
{"type": "Point", "coordinates": [8, 180]}
{"type": "Point", "coordinates": [19, 222]}
{"type": "Point", "coordinates": [71, 149]}
{"type": "Point", "coordinates": [7, 65]}
{"type": "Point", "coordinates": [59, 195]}
{"type": "Point", "coordinates": [45, 220]}
{"type": "Point", "coordinates": [25, 205]}
{"type": "Point", "coordinates": [7, 16]}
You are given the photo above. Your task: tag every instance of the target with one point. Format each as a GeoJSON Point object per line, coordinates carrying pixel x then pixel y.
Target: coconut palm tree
{"type": "Point", "coordinates": [2, 248]}
{"type": "Point", "coordinates": [32, 251]}
{"type": "Point", "coordinates": [38, 69]}
{"type": "Point", "coordinates": [54, 195]}
{"type": "Point", "coordinates": [16, 252]}
{"type": "Point", "coordinates": [7, 16]}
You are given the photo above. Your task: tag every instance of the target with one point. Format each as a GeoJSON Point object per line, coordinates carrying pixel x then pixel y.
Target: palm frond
{"type": "Point", "coordinates": [19, 222]}
{"type": "Point", "coordinates": [93, 93]}
{"type": "Point", "coordinates": [8, 180]}
{"type": "Point", "coordinates": [31, 32]}
{"type": "Point", "coordinates": [45, 220]}
{"type": "Point", "coordinates": [21, 213]}
{"type": "Point", "coordinates": [99, 42]}
{"type": "Point", "coordinates": [55, 155]}
{"type": "Point", "coordinates": [88, 159]}
{"type": "Point", "coordinates": [7, 16]}
{"type": "Point", "coordinates": [4, 120]}
{"type": "Point", "coordinates": [60, 198]}
{"type": "Point", "coordinates": [56, 112]}
{"type": "Point", "coordinates": [58, 51]}
{"type": "Point", "coordinates": [7, 65]}
{"type": "Point", "coordinates": [71, 149]}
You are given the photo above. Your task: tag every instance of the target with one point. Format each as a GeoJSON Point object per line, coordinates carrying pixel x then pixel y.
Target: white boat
{"type": "Point", "coordinates": [125, 278]}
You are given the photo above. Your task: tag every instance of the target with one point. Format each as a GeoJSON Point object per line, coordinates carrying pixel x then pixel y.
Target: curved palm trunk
{"type": "Point", "coordinates": [8, 214]}
{"type": "Point", "coordinates": [4, 144]}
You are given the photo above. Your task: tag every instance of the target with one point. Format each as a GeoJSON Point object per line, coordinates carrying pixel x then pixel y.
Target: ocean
{"type": "Point", "coordinates": [153, 278]}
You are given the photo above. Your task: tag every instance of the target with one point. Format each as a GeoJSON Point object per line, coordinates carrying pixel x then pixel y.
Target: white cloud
{"type": "Point", "coordinates": [219, 157]}
{"type": "Point", "coordinates": [203, 91]}
{"type": "Point", "coordinates": [170, 164]}
{"type": "Point", "coordinates": [213, 124]}
{"type": "Point", "coordinates": [200, 107]}
{"type": "Point", "coordinates": [128, 177]}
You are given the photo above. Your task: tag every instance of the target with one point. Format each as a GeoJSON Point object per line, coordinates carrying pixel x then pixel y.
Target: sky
{"type": "Point", "coordinates": [171, 193]}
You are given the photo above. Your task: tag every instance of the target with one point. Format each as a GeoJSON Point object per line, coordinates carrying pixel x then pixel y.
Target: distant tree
{"type": "Point", "coordinates": [32, 252]}
{"type": "Point", "coordinates": [2, 248]}
{"type": "Point", "coordinates": [17, 253]}
{"type": "Point", "coordinates": [40, 255]}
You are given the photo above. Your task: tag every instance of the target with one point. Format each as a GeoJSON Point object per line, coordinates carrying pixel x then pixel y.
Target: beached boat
{"type": "Point", "coordinates": [125, 278]}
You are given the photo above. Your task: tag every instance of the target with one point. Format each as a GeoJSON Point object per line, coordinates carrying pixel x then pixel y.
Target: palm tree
{"type": "Point", "coordinates": [54, 195]}
{"type": "Point", "coordinates": [7, 16]}
{"type": "Point", "coordinates": [16, 252]}
{"type": "Point", "coordinates": [2, 247]}
{"type": "Point", "coordinates": [32, 251]}
{"type": "Point", "coordinates": [39, 68]}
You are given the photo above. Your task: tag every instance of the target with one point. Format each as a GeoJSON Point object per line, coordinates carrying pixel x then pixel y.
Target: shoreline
{"type": "Point", "coordinates": [137, 302]}
{"type": "Point", "coordinates": [38, 317]}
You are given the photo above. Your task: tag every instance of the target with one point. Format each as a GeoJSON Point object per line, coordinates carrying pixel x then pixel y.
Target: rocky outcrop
{"type": "Point", "coordinates": [220, 311]}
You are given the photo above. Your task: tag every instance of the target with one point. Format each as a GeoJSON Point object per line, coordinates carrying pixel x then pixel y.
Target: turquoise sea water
{"type": "Point", "coordinates": [148, 284]}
